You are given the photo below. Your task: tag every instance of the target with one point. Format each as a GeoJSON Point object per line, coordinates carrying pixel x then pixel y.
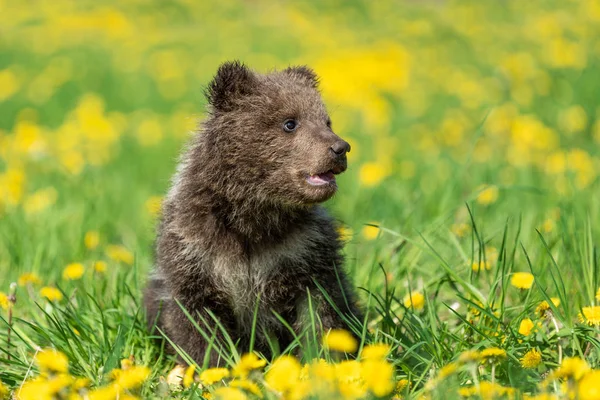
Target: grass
{"type": "Point", "coordinates": [475, 130]}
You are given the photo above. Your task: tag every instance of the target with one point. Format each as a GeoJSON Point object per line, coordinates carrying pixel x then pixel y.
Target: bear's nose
{"type": "Point", "coordinates": [340, 148]}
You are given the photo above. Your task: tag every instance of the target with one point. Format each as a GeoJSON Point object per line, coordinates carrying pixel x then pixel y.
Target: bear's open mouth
{"type": "Point", "coordinates": [321, 179]}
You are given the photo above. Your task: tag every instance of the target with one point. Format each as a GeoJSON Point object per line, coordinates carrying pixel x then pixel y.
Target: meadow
{"type": "Point", "coordinates": [470, 205]}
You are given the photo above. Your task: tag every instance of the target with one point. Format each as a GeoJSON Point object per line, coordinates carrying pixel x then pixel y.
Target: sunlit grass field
{"type": "Point", "coordinates": [470, 206]}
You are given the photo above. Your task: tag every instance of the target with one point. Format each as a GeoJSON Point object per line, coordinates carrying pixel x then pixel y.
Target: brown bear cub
{"type": "Point", "coordinates": [242, 232]}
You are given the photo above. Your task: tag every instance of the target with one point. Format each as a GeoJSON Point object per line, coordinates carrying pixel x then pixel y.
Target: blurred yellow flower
{"type": "Point", "coordinates": [492, 354]}
{"type": "Point", "coordinates": [3, 391]}
{"type": "Point", "coordinates": [4, 301]}
{"type": "Point", "coordinates": [573, 119]}
{"type": "Point", "coordinates": [73, 271]}
{"type": "Point", "coordinates": [590, 315]}
{"type": "Point", "coordinates": [402, 385]}
{"type": "Point", "coordinates": [488, 195]}
{"type": "Point", "coordinates": [246, 385]}
{"type": "Point", "coordinates": [522, 280]}
{"type": "Point", "coordinates": [29, 278]}
{"type": "Point", "coordinates": [370, 232]}
{"type": "Point", "coordinates": [598, 294]}
{"type": "Point", "coordinates": [188, 377]}
{"type": "Point", "coordinates": [526, 327]}
{"type": "Point", "coordinates": [531, 359]}
{"type": "Point", "coordinates": [119, 253]}
{"type": "Point", "coordinates": [375, 351]}
{"type": "Point", "coordinates": [153, 205]}
{"type": "Point", "coordinates": [480, 266]}
{"type": "Point", "coordinates": [91, 240]}
{"type": "Point", "coordinates": [378, 376]}
{"type": "Point", "coordinates": [543, 307]}
{"type": "Point", "coordinates": [283, 374]}
{"type": "Point", "coordinates": [40, 200]}
{"type": "Point", "coordinates": [461, 229]}
{"type": "Point", "coordinates": [340, 340]}
{"type": "Point", "coordinates": [228, 393]}
{"type": "Point", "coordinates": [212, 375]}
{"type": "Point", "coordinates": [100, 266]}
{"type": "Point", "coordinates": [248, 362]}
{"type": "Point", "coordinates": [345, 233]}
{"type": "Point", "coordinates": [414, 300]}
{"type": "Point", "coordinates": [588, 388]}
{"type": "Point", "coordinates": [51, 293]}
{"type": "Point", "coordinates": [12, 183]}
{"type": "Point", "coordinates": [372, 173]}
{"type": "Point", "coordinates": [52, 361]}
{"type": "Point", "coordinates": [132, 377]}
{"type": "Point", "coordinates": [571, 368]}
{"type": "Point", "coordinates": [9, 84]}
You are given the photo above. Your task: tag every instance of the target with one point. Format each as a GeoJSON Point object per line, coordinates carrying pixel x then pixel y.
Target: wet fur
{"type": "Point", "coordinates": [239, 221]}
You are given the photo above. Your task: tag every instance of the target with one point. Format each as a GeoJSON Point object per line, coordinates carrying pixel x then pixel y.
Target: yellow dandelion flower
{"type": "Point", "coordinates": [109, 392]}
{"type": "Point", "coordinates": [73, 271]}
{"type": "Point", "coordinates": [522, 280]}
{"type": "Point", "coordinates": [493, 354]}
{"type": "Point", "coordinates": [371, 232]}
{"type": "Point", "coordinates": [188, 376]}
{"type": "Point", "coordinates": [340, 340]}
{"type": "Point", "coordinates": [571, 368]}
{"type": "Point", "coordinates": [50, 360]}
{"type": "Point", "coordinates": [402, 385]}
{"type": "Point", "coordinates": [153, 205]}
{"type": "Point", "coordinates": [229, 393]}
{"type": "Point", "coordinates": [345, 372]}
{"type": "Point", "coordinates": [378, 376]}
{"type": "Point", "coordinates": [133, 377]}
{"type": "Point", "coordinates": [590, 315]}
{"type": "Point", "coordinates": [51, 293]}
{"type": "Point", "coordinates": [246, 385]}
{"type": "Point", "coordinates": [3, 391]}
{"type": "Point", "coordinates": [212, 375]}
{"type": "Point", "coordinates": [100, 266]}
{"type": "Point", "coordinates": [531, 359]}
{"type": "Point", "coordinates": [461, 229]}
{"type": "Point", "coordinates": [29, 278]}
{"type": "Point", "coordinates": [248, 362]}
{"type": "Point", "coordinates": [469, 356]}
{"type": "Point", "coordinates": [91, 240]}
{"type": "Point", "coordinates": [480, 266]}
{"type": "Point", "coordinates": [488, 195]}
{"type": "Point", "coordinates": [284, 374]}
{"type": "Point", "coordinates": [448, 370]}
{"type": "Point", "coordinates": [588, 388]}
{"type": "Point", "coordinates": [487, 390]}
{"type": "Point", "coordinates": [526, 327]}
{"type": "Point", "coordinates": [372, 173]}
{"type": "Point", "coordinates": [375, 351]}
{"type": "Point", "coordinates": [119, 254]}
{"type": "Point", "coordinates": [345, 233]}
{"type": "Point", "coordinates": [543, 307]}
{"type": "Point", "coordinates": [414, 300]}
{"type": "Point", "coordinates": [4, 302]}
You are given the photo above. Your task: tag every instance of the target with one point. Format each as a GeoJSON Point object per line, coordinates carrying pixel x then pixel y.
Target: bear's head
{"type": "Point", "coordinates": [269, 136]}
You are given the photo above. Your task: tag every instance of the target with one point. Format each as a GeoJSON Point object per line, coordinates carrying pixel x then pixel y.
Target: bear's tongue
{"type": "Point", "coordinates": [321, 179]}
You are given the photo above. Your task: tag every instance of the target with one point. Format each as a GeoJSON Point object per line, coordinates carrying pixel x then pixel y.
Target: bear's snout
{"type": "Point", "coordinates": [340, 148]}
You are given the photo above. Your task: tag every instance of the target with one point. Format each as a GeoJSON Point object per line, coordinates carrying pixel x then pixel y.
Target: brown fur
{"type": "Point", "coordinates": [241, 222]}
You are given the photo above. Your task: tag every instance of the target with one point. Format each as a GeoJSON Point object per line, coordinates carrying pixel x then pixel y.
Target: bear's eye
{"type": "Point", "coordinates": [328, 123]}
{"type": "Point", "coordinates": [290, 125]}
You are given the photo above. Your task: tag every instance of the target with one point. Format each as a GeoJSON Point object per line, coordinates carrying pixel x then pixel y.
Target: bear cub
{"type": "Point", "coordinates": [243, 236]}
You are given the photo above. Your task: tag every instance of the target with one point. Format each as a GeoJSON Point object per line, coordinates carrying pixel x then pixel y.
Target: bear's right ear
{"type": "Point", "coordinates": [233, 80]}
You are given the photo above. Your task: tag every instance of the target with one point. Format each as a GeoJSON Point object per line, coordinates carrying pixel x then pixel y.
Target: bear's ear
{"type": "Point", "coordinates": [304, 73]}
{"type": "Point", "coordinates": [232, 81]}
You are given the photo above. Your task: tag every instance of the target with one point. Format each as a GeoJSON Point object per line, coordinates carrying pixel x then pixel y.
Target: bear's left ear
{"type": "Point", "coordinates": [304, 73]}
{"type": "Point", "coordinates": [232, 81]}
